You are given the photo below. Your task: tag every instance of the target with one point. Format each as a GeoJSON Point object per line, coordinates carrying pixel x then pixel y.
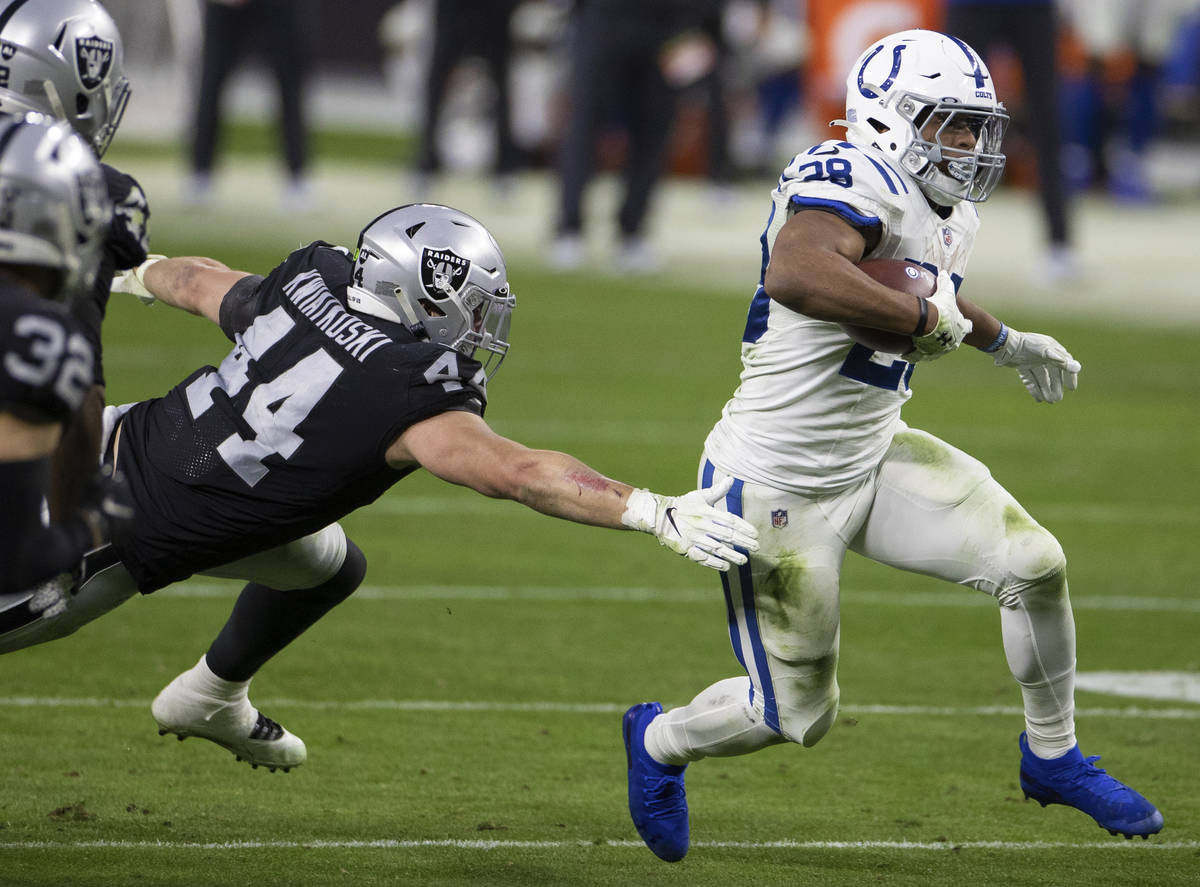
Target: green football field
{"type": "Point", "coordinates": [462, 710]}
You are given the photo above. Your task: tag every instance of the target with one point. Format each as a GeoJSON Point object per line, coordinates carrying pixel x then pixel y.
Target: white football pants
{"type": "Point", "coordinates": [928, 508]}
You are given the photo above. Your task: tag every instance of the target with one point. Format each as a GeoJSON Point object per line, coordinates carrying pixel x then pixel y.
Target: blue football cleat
{"type": "Point", "coordinates": [1075, 781]}
{"type": "Point", "coordinates": [657, 801]}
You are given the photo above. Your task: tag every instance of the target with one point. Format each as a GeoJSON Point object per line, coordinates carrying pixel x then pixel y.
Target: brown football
{"type": "Point", "coordinates": [908, 277]}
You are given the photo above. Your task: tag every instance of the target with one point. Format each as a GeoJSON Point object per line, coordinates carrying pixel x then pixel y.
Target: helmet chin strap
{"type": "Point", "coordinates": [365, 302]}
{"type": "Point", "coordinates": [58, 109]}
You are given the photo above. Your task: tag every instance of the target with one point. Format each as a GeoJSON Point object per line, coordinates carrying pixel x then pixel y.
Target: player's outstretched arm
{"type": "Point", "coordinates": [459, 447]}
{"type": "Point", "coordinates": [192, 283]}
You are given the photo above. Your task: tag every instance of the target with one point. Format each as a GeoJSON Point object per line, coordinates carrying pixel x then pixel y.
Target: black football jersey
{"type": "Point", "coordinates": [125, 247]}
{"type": "Point", "coordinates": [289, 433]}
{"type": "Point", "coordinates": [46, 364]}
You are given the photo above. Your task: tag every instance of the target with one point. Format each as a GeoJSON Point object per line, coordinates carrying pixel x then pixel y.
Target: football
{"type": "Point", "coordinates": [908, 277]}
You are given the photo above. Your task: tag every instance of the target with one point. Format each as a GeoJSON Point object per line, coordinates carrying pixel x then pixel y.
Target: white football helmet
{"type": "Point", "coordinates": [64, 58]}
{"type": "Point", "coordinates": [440, 273]}
{"type": "Point", "coordinates": [904, 81]}
{"type": "Point", "coordinates": [55, 210]}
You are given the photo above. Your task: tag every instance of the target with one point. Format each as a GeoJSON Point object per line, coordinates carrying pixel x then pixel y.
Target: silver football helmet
{"type": "Point", "coordinates": [906, 80]}
{"type": "Point", "coordinates": [64, 58]}
{"type": "Point", "coordinates": [440, 273]}
{"type": "Point", "coordinates": [54, 206]}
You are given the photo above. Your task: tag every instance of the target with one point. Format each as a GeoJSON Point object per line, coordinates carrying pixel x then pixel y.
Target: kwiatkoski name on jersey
{"type": "Point", "coordinates": [815, 411]}
{"type": "Point", "coordinates": [45, 363]}
{"type": "Point", "coordinates": [290, 432]}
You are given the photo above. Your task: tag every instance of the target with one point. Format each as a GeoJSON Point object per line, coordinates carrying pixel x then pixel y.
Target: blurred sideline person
{"type": "Point", "coordinates": [461, 29]}
{"type": "Point", "coordinates": [85, 86]}
{"type": "Point", "coordinates": [55, 213]}
{"type": "Point", "coordinates": [1112, 123]}
{"type": "Point", "coordinates": [1030, 29]}
{"type": "Point", "coordinates": [282, 30]}
{"type": "Point", "coordinates": [349, 371]}
{"type": "Point", "coordinates": [822, 463]}
{"type": "Point", "coordinates": [617, 53]}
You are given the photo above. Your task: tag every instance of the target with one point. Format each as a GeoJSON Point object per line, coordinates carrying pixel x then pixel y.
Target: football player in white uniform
{"type": "Point", "coordinates": [822, 462]}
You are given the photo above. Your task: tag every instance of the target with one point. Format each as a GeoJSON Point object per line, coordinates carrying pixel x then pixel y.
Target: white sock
{"type": "Point", "coordinates": [1039, 642]}
{"type": "Point", "coordinates": [201, 678]}
{"type": "Point", "coordinates": [719, 722]}
{"type": "Point", "coordinates": [1050, 728]}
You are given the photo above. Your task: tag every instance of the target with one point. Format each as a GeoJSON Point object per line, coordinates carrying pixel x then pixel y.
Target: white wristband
{"type": "Point", "coordinates": [140, 271]}
{"type": "Point", "coordinates": [640, 511]}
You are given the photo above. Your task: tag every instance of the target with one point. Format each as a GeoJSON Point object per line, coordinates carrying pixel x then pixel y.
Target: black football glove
{"type": "Point", "coordinates": [128, 240]}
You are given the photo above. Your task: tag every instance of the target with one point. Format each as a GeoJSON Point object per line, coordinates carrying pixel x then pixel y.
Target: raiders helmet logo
{"type": "Point", "coordinates": [443, 272]}
{"type": "Point", "coordinates": [93, 58]}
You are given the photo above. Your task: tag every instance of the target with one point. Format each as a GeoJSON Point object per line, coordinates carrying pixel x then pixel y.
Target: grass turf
{"type": "Point", "coordinates": [472, 693]}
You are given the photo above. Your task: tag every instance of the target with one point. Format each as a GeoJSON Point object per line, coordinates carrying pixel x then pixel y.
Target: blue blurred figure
{"type": "Point", "coordinates": [1112, 123]}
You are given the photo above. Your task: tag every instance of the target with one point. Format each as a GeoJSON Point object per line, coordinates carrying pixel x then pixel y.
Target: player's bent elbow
{"type": "Point", "coordinates": [510, 478]}
{"type": "Point", "coordinates": [523, 480]}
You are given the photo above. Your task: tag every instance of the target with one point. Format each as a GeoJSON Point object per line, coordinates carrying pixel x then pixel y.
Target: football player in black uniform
{"type": "Point", "coordinates": [348, 372]}
{"type": "Point", "coordinates": [64, 58]}
{"type": "Point", "coordinates": [52, 220]}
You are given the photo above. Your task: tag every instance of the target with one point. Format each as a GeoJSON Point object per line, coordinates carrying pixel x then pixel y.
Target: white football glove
{"type": "Point", "coordinates": [691, 526]}
{"type": "Point", "coordinates": [133, 281]}
{"type": "Point", "coordinates": [951, 327]}
{"type": "Point", "coordinates": [1046, 368]}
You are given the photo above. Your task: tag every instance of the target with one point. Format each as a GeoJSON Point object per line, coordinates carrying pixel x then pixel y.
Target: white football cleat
{"type": "Point", "coordinates": [198, 703]}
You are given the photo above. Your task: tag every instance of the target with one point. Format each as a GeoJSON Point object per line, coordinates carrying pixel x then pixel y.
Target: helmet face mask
{"type": "Point", "coordinates": [65, 58]}
{"type": "Point", "coordinates": [56, 209]}
{"type": "Point", "coordinates": [440, 273]}
{"type": "Point", "coordinates": [915, 95]}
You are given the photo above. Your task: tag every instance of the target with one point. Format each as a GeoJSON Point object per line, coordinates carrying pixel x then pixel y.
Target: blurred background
{"type": "Point", "coordinates": [626, 137]}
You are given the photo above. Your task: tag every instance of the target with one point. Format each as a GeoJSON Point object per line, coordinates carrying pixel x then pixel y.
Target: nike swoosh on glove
{"type": "Point", "coordinates": [690, 525]}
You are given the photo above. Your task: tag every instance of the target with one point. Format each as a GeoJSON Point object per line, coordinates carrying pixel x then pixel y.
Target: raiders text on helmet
{"type": "Point", "coordinates": [904, 81]}
{"type": "Point", "coordinates": [63, 58]}
{"type": "Point", "coordinates": [439, 272]}
{"type": "Point", "coordinates": [54, 210]}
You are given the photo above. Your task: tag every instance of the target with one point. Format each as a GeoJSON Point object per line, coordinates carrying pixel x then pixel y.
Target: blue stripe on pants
{"type": "Point", "coordinates": [760, 674]}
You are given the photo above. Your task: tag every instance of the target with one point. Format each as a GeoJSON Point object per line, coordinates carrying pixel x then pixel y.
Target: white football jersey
{"type": "Point", "coordinates": [815, 411]}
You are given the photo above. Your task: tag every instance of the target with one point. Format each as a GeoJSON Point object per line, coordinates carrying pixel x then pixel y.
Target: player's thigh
{"type": "Point", "coordinates": [784, 601]}
{"type": "Point", "coordinates": [303, 563]}
{"type": "Point", "coordinates": [938, 511]}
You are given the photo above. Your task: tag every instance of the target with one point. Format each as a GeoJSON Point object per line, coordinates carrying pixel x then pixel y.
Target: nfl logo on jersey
{"type": "Point", "coordinates": [779, 518]}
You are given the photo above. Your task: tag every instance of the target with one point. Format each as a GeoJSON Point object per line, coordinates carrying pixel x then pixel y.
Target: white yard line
{"type": "Point", "coordinates": [452, 504]}
{"type": "Point", "coordinates": [592, 708]}
{"type": "Point", "coordinates": [451, 844]}
{"type": "Point", "coordinates": [951, 597]}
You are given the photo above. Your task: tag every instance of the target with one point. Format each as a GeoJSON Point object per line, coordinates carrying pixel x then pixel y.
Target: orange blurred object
{"type": "Point", "coordinates": [841, 30]}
